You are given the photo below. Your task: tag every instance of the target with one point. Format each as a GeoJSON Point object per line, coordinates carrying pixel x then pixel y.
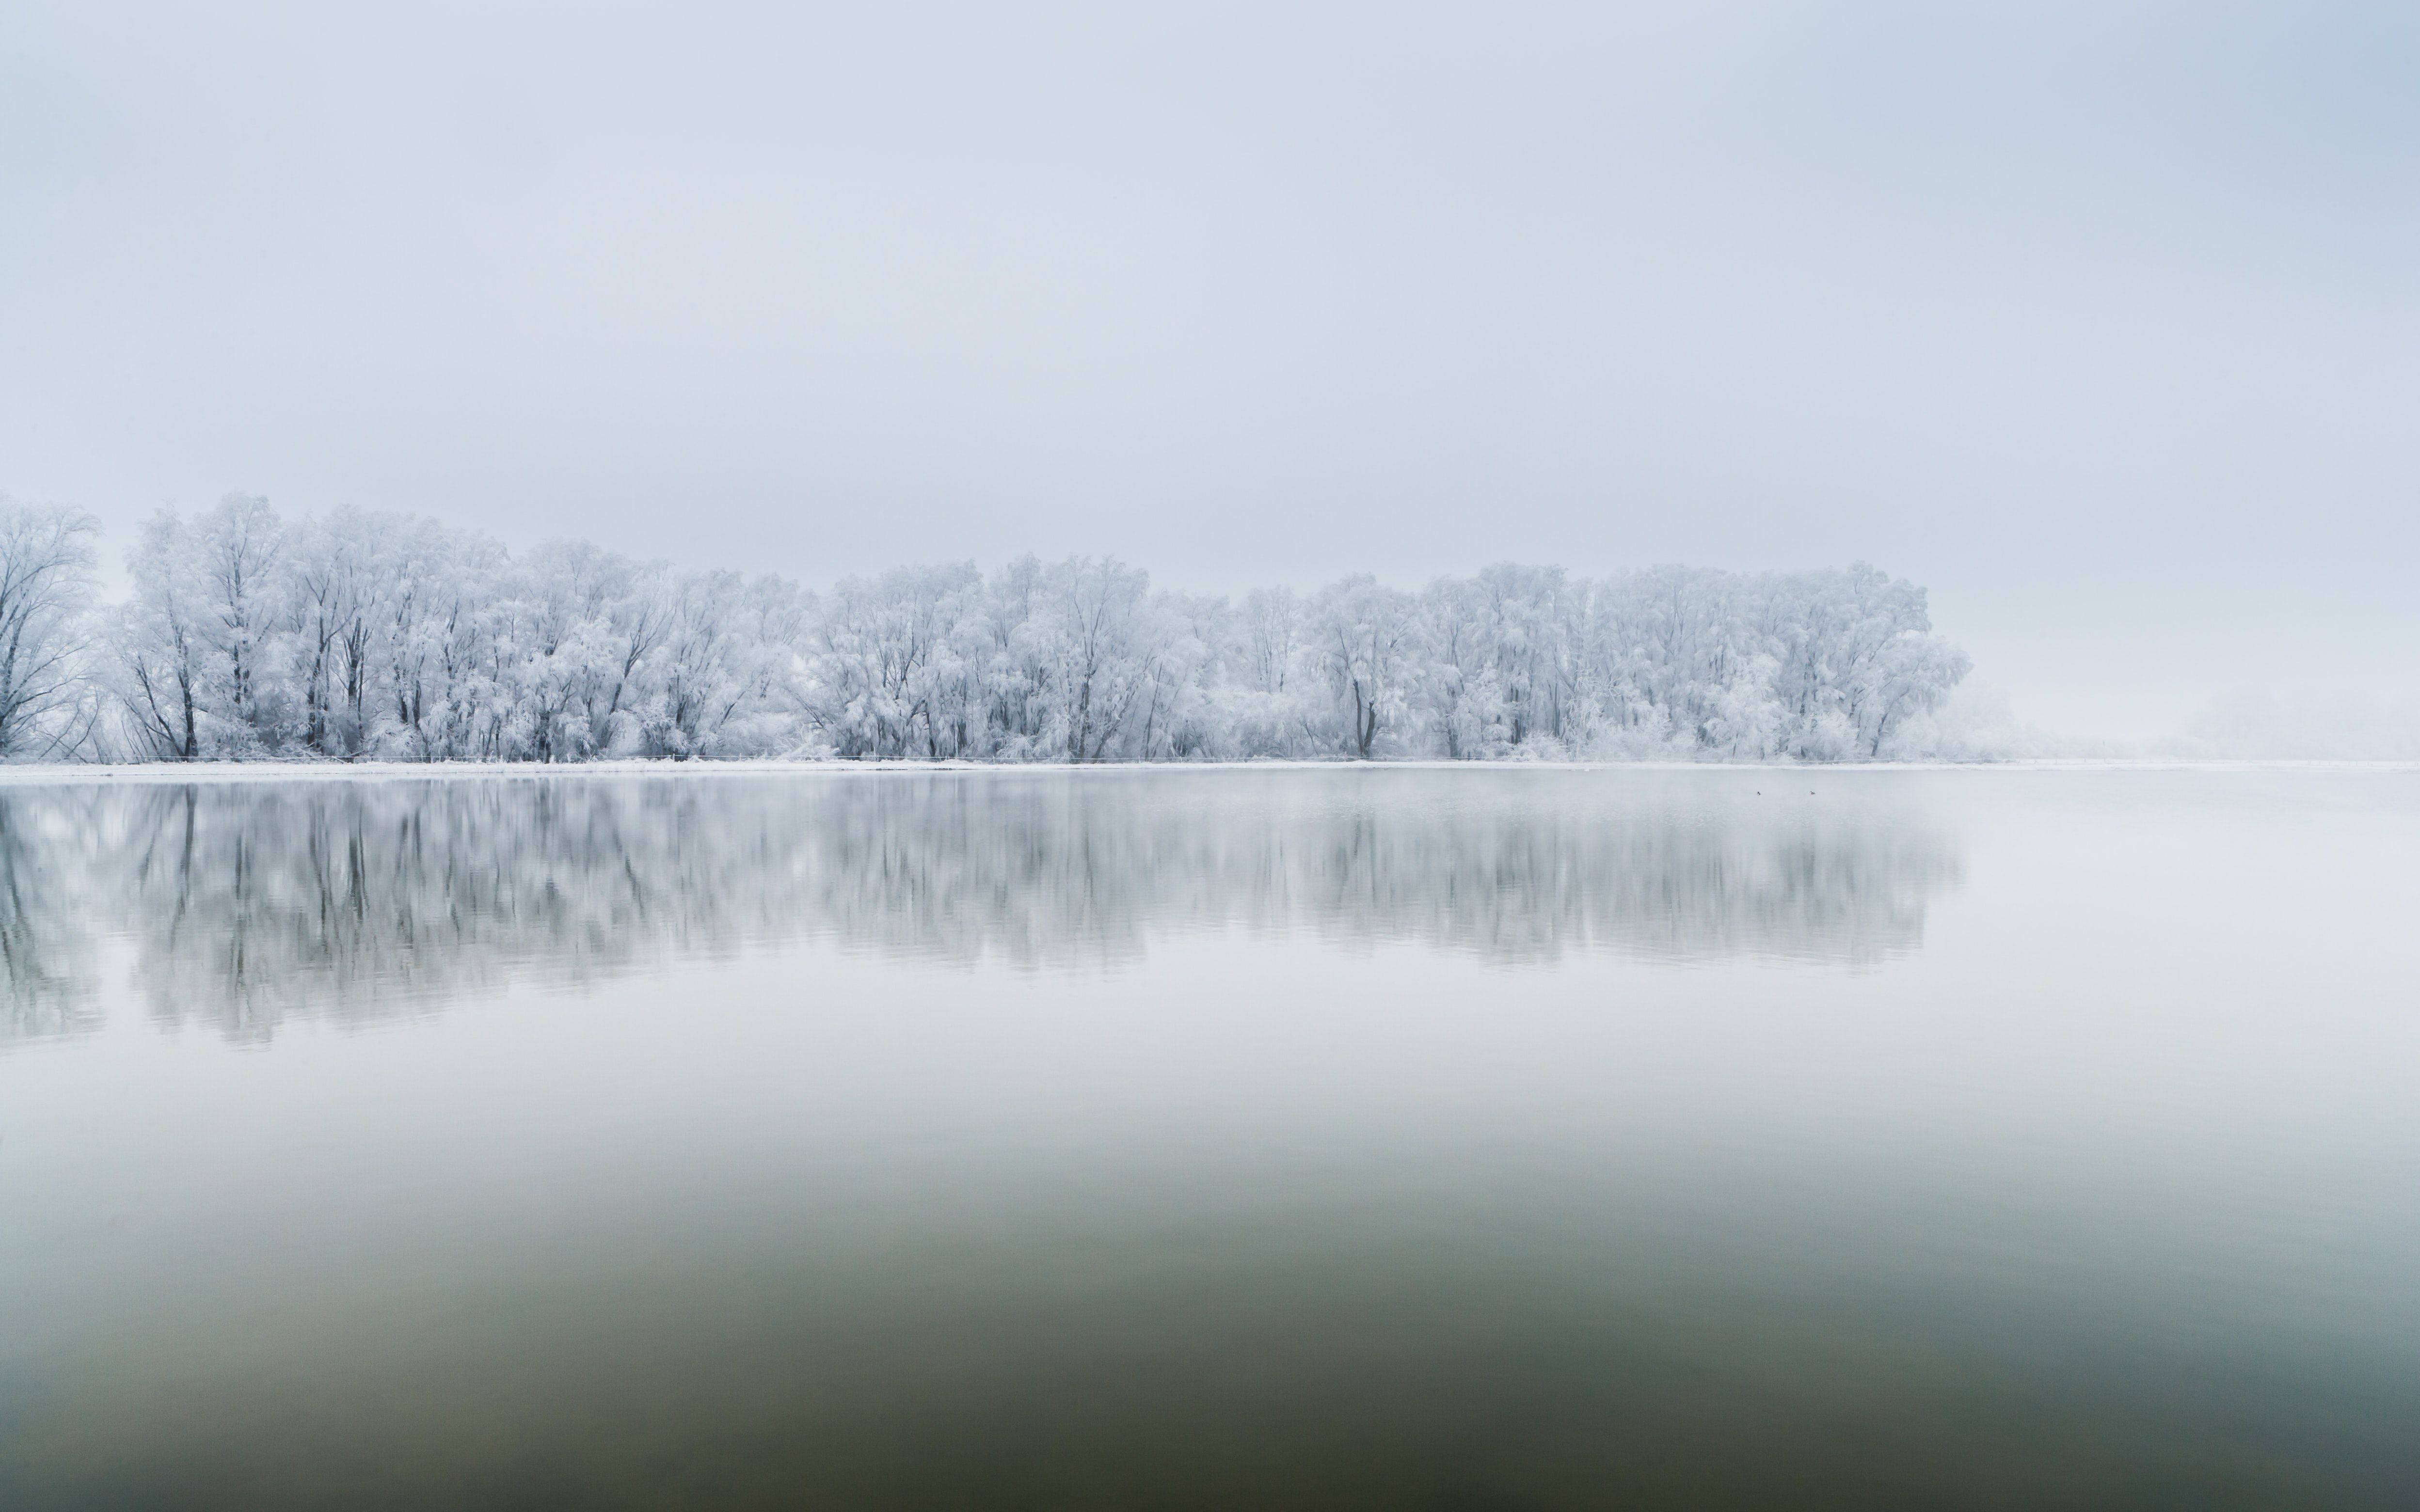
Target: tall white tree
{"type": "Point", "coordinates": [46, 559]}
{"type": "Point", "coordinates": [1367, 642]}
{"type": "Point", "coordinates": [240, 546]}
{"type": "Point", "coordinates": [1103, 637]}
{"type": "Point", "coordinates": [162, 657]}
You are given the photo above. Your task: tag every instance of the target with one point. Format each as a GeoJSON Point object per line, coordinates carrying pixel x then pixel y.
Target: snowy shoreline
{"type": "Point", "coordinates": [64, 774]}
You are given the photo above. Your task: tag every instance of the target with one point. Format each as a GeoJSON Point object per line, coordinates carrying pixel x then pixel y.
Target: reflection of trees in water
{"type": "Point", "coordinates": [374, 900]}
{"type": "Point", "coordinates": [49, 978]}
{"type": "Point", "coordinates": [1056, 870]}
{"type": "Point", "coordinates": [248, 902]}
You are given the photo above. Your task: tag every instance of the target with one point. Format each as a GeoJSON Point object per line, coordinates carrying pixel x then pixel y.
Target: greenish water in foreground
{"type": "Point", "coordinates": [1322, 1138]}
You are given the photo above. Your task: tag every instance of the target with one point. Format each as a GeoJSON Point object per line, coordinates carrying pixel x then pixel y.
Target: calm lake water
{"type": "Point", "coordinates": [1368, 1138]}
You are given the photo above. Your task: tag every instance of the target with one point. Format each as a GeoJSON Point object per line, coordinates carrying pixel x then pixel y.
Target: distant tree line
{"type": "Point", "coordinates": [360, 636]}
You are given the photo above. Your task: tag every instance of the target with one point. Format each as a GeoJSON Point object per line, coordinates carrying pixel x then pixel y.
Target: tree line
{"type": "Point", "coordinates": [357, 636]}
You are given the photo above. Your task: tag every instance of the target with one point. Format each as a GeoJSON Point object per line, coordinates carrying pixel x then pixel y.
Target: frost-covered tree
{"type": "Point", "coordinates": [336, 569]}
{"type": "Point", "coordinates": [46, 558]}
{"type": "Point", "coordinates": [889, 653]}
{"type": "Point", "coordinates": [1367, 636]}
{"type": "Point", "coordinates": [238, 547]}
{"type": "Point", "coordinates": [1104, 637]}
{"type": "Point", "coordinates": [365, 635]}
{"type": "Point", "coordinates": [432, 692]}
{"type": "Point", "coordinates": [716, 686]}
{"type": "Point", "coordinates": [160, 652]}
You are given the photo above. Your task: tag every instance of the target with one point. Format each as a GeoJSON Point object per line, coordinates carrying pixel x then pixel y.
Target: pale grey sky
{"type": "Point", "coordinates": [2099, 321]}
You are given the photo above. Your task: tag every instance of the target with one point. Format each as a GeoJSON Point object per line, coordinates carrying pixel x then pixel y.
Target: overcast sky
{"type": "Point", "coordinates": [2098, 320]}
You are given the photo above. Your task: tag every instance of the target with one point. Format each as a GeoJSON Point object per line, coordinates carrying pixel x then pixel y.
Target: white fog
{"type": "Point", "coordinates": [2098, 322]}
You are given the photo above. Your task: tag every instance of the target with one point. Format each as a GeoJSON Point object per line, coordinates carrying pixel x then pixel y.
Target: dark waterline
{"type": "Point", "coordinates": [1320, 1138]}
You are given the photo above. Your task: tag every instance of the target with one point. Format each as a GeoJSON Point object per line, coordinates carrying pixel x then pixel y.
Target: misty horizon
{"type": "Point", "coordinates": [2097, 321]}
{"type": "Point", "coordinates": [1959, 717]}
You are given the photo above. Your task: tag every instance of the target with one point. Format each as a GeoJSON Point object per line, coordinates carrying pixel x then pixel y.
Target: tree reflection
{"type": "Point", "coordinates": [249, 904]}
{"type": "Point", "coordinates": [49, 976]}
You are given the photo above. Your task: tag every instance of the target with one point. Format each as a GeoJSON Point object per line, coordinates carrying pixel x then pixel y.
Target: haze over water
{"type": "Point", "coordinates": [1327, 1137]}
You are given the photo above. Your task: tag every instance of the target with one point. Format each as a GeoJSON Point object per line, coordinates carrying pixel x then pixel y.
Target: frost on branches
{"type": "Point", "coordinates": [366, 636]}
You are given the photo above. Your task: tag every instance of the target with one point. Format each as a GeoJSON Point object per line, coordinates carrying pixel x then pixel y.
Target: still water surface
{"type": "Point", "coordinates": [1339, 1138]}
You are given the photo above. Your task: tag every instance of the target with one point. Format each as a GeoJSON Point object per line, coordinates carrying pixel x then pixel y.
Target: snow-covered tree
{"type": "Point", "coordinates": [365, 635]}
{"type": "Point", "coordinates": [1367, 637]}
{"type": "Point", "coordinates": [46, 558]}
